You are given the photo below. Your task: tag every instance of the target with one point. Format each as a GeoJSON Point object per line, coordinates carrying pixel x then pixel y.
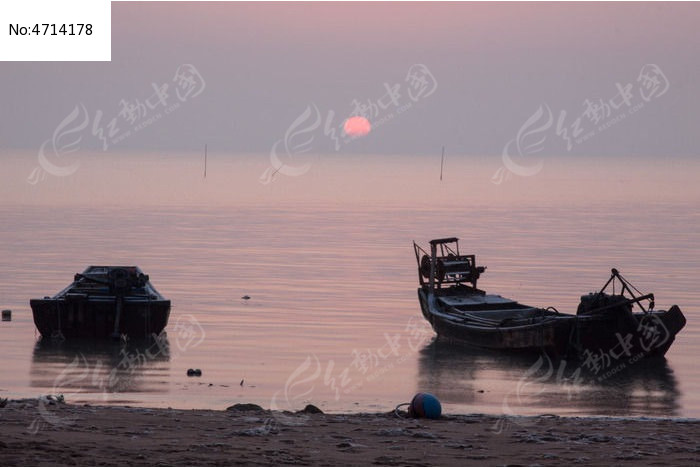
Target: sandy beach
{"type": "Point", "coordinates": [43, 433]}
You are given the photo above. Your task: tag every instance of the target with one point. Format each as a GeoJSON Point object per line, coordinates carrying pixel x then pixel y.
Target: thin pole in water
{"type": "Point", "coordinates": [442, 162]}
{"type": "Point", "coordinates": [205, 161]}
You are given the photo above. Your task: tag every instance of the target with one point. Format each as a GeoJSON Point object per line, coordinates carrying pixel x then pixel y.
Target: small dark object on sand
{"type": "Point", "coordinates": [246, 297]}
{"type": "Point", "coordinates": [246, 408]}
{"type": "Point", "coordinates": [311, 409]}
{"type": "Point", "coordinates": [7, 315]}
{"type": "Point", "coordinates": [241, 382]}
{"type": "Point", "coordinates": [192, 372]}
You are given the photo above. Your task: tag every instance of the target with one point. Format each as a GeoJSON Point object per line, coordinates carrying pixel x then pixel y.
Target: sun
{"type": "Point", "coordinates": [357, 126]}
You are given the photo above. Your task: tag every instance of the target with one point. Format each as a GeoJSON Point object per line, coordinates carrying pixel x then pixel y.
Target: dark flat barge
{"type": "Point", "coordinates": [103, 302]}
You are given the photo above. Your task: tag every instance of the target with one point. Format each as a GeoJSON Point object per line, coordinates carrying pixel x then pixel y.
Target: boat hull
{"type": "Point", "coordinates": [95, 317]}
{"type": "Point", "coordinates": [563, 335]}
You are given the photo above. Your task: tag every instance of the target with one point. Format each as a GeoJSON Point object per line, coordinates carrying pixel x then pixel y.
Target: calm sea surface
{"type": "Point", "coordinates": [333, 317]}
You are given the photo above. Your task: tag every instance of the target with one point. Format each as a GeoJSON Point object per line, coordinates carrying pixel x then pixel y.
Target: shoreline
{"type": "Point", "coordinates": [49, 432]}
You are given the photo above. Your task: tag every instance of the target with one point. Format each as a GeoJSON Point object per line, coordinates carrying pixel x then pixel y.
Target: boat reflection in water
{"type": "Point", "coordinates": [89, 370]}
{"type": "Point", "coordinates": [530, 384]}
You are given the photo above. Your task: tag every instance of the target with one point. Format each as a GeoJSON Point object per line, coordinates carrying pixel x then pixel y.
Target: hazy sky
{"type": "Point", "coordinates": [491, 67]}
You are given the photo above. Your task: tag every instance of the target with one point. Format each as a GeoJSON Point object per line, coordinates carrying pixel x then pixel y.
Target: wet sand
{"type": "Point", "coordinates": [43, 433]}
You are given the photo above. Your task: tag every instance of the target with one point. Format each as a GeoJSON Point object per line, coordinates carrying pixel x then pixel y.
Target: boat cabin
{"type": "Point", "coordinates": [446, 265]}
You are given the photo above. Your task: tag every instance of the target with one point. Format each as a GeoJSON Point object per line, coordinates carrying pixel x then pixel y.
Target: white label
{"type": "Point", "coordinates": [56, 30]}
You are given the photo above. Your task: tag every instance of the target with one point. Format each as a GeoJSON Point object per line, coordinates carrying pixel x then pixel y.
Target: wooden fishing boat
{"type": "Point", "coordinates": [605, 323]}
{"type": "Point", "coordinates": [103, 301]}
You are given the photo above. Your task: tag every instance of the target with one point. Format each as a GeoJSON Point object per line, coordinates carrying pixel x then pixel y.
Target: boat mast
{"type": "Point", "coordinates": [442, 161]}
{"type": "Point", "coordinates": [433, 258]}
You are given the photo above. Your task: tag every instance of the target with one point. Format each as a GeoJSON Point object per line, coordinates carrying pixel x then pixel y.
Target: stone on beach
{"type": "Point", "coordinates": [310, 408]}
{"type": "Point", "coordinates": [246, 408]}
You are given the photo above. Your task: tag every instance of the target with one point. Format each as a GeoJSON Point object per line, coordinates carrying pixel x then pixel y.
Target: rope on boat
{"type": "Point", "coordinates": [628, 283]}
{"type": "Point", "coordinates": [492, 322]}
{"type": "Point", "coordinates": [469, 316]}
